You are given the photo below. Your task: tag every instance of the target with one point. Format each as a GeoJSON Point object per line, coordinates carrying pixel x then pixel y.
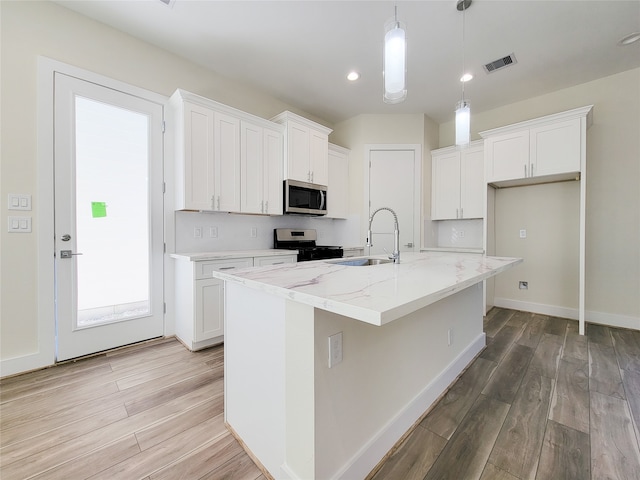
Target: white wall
{"type": "Point", "coordinates": [613, 205]}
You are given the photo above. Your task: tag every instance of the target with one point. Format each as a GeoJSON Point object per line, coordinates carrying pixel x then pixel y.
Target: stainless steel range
{"type": "Point", "coordinates": [305, 242]}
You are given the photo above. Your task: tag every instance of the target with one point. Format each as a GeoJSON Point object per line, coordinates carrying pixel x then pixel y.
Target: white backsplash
{"type": "Point", "coordinates": [459, 233]}
{"type": "Point", "coordinates": [234, 232]}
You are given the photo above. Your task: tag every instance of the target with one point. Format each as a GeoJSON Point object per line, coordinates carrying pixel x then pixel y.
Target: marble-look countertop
{"type": "Point", "coordinates": [222, 255]}
{"type": "Point", "coordinates": [376, 294]}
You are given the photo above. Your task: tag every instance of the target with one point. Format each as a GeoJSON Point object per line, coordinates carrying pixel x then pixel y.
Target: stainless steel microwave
{"type": "Point", "coordinates": [305, 198]}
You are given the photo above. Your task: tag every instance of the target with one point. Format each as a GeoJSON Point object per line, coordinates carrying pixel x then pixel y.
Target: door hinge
{"type": "Point", "coordinates": [164, 248]}
{"type": "Point", "coordinates": [164, 307]}
{"type": "Point", "coordinates": [164, 187]}
{"type": "Point", "coordinates": [164, 126]}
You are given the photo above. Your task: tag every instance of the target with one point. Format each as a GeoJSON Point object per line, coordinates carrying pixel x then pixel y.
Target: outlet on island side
{"type": "Point", "coordinates": [335, 349]}
{"type": "Point", "coordinates": [522, 285]}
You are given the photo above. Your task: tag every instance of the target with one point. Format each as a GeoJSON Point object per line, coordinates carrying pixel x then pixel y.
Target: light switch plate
{"type": "Point", "coordinates": [19, 201]}
{"type": "Point", "coordinates": [523, 233]}
{"type": "Point", "coordinates": [19, 224]}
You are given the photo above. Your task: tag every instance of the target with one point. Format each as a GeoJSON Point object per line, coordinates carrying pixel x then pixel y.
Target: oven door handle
{"type": "Point", "coordinates": [321, 199]}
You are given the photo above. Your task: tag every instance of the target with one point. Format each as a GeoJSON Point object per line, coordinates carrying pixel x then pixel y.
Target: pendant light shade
{"type": "Point", "coordinates": [463, 123]}
{"type": "Point", "coordinates": [395, 61]}
{"type": "Point", "coordinates": [463, 108]}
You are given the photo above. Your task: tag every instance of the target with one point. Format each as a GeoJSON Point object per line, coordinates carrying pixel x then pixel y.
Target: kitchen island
{"type": "Point", "coordinates": [407, 331]}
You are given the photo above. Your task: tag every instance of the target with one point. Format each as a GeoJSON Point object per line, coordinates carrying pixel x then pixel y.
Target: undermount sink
{"type": "Point", "coordinates": [362, 262]}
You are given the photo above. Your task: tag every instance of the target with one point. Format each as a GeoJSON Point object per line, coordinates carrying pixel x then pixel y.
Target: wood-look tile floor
{"type": "Point", "coordinates": [539, 402]}
{"type": "Point", "coordinates": [150, 411]}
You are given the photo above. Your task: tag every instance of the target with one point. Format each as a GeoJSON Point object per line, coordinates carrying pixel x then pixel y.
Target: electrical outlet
{"type": "Point", "coordinates": [213, 232]}
{"type": "Point", "coordinates": [197, 232]}
{"type": "Point", "coordinates": [523, 285]}
{"type": "Point", "coordinates": [254, 232]}
{"type": "Point", "coordinates": [461, 234]}
{"type": "Point", "coordinates": [335, 349]}
{"type": "Point", "coordinates": [523, 233]}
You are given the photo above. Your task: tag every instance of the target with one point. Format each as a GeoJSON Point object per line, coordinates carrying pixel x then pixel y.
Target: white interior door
{"type": "Point", "coordinates": [108, 218]}
{"type": "Point", "coordinates": [394, 182]}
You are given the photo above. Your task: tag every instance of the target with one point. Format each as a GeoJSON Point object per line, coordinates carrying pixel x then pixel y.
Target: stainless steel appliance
{"type": "Point", "coordinates": [304, 198]}
{"type": "Point", "coordinates": [305, 242]}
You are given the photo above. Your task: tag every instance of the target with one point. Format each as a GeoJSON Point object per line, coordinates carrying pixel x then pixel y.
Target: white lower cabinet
{"type": "Point", "coordinates": [200, 298]}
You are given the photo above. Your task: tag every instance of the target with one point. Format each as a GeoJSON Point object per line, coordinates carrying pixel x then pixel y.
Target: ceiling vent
{"type": "Point", "coordinates": [500, 63]}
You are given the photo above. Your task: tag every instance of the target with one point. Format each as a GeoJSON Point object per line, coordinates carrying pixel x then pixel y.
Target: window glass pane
{"type": "Point", "coordinates": [112, 213]}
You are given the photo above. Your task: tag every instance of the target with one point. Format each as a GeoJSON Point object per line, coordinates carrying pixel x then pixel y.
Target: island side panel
{"type": "Point", "coordinates": [389, 376]}
{"type": "Point", "coordinates": [254, 363]}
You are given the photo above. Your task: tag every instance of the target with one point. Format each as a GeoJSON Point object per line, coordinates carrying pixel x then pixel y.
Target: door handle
{"type": "Point", "coordinates": [67, 254]}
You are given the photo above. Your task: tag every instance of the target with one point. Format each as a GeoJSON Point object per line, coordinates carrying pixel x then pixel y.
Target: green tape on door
{"type": "Point", "coordinates": [98, 209]}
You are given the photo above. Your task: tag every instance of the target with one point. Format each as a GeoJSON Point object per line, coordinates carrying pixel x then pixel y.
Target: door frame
{"type": "Point", "coordinates": [416, 148]}
{"type": "Point", "coordinates": [45, 352]}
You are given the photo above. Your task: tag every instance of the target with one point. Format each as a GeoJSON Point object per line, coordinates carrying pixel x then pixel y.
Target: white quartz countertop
{"type": "Point", "coordinates": [376, 294]}
{"type": "Point", "coordinates": [221, 255]}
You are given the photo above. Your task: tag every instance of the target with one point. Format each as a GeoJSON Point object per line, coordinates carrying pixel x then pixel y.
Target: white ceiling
{"type": "Point", "coordinates": [300, 51]}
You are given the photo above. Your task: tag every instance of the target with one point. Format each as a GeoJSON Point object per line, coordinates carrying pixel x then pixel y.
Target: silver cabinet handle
{"type": "Point", "coordinates": [226, 268]}
{"type": "Point", "coordinates": [461, 212]}
{"type": "Point", "coordinates": [218, 202]}
{"type": "Point", "coordinates": [66, 237]}
{"type": "Point", "coordinates": [410, 244]}
{"type": "Point", "coordinates": [457, 213]}
{"type": "Point", "coordinates": [67, 254]}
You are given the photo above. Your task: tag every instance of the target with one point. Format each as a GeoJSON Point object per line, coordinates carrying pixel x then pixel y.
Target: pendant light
{"type": "Point", "coordinates": [395, 60]}
{"type": "Point", "coordinates": [463, 108]}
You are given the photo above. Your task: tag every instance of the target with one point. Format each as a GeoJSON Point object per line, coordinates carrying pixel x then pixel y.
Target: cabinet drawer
{"type": "Point", "coordinates": [204, 269]}
{"type": "Point", "coordinates": [262, 261]}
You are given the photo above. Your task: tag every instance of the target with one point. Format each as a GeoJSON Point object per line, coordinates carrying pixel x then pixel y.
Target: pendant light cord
{"type": "Point", "coordinates": [463, 62]}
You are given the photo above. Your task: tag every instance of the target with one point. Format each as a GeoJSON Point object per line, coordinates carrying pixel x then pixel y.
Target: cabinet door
{"type": "Point", "coordinates": [298, 152]}
{"type": "Point", "coordinates": [251, 168]}
{"type": "Point", "coordinates": [507, 156]}
{"type": "Point", "coordinates": [227, 161]}
{"type": "Point", "coordinates": [445, 190]}
{"type": "Point", "coordinates": [337, 187]}
{"type": "Point", "coordinates": [272, 176]}
{"type": "Point", "coordinates": [319, 157]}
{"type": "Point", "coordinates": [472, 183]}
{"type": "Point", "coordinates": [209, 309]}
{"type": "Point", "coordinates": [555, 148]}
{"type": "Point", "coordinates": [275, 260]}
{"type": "Point", "coordinates": [199, 173]}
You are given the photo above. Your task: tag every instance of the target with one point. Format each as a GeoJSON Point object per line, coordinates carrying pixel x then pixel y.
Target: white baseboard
{"type": "Point", "coordinates": [610, 319]}
{"type": "Point", "coordinates": [25, 363]}
{"type": "Point", "coordinates": [361, 464]}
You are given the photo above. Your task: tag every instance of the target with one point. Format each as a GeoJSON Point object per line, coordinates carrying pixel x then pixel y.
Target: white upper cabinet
{"type": "Point", "coordinates": [457, 182]}
{"type": "Point", "coordinates": [226, 160]}
{"type": "Point", "coordinates": [195, 176]}
{"type": "Point", "coordinates": [338, 185]}
{"type": "Point", "coordinates": [306, 149]}
{"type": "Point", "coordinates": [261, 169]}
{"type": "Point", "coordinates": [546, 149]}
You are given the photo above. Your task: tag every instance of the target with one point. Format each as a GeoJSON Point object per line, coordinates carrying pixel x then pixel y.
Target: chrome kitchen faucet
{"type": "Point", "coordinates": [395, 256]}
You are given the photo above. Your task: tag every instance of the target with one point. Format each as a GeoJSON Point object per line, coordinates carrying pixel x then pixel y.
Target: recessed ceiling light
{"type": "Point", "coordinates": [629, 39]}
{"type": "Point", "coordinates": [353, 76]}
{"type": "Point", "coordinates": [466, 77]}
